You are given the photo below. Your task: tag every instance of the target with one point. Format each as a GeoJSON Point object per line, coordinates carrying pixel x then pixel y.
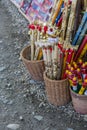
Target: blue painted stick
{"type": "Point", "coordinates": [60, 13]}
{"type": "Point", "coordinates": [82, 34]}
{"type": "Point", "coordinates": [84, 19]}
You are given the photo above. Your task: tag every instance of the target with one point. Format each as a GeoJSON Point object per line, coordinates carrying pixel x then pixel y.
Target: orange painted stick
{"type": "Point", "coordinates": [57, 10]}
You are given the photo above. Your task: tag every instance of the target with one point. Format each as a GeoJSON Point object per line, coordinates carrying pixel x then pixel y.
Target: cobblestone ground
{"type": "Point", "coordinates": [23, 103]}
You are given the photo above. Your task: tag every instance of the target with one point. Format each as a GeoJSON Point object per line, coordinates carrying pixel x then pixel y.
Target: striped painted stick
{"type": "Point", "coordinates": [82, 34]}
{"type": "Point", "coordinates": [80, 48]}
{"type": "Point", "coordinates": [84, 19]}
{"type": "Point", "coordinates": [69, 60]}
{"type": "Point", "coordinates": [59, 22]}
{"type": "Point", "coordinates": [60, 2]}
{"type": "Point", "coordinates": [60, 13]}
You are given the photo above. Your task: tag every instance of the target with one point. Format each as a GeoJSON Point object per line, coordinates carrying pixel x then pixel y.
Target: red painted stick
{"type": "Point", "coordinates": [80, 48]}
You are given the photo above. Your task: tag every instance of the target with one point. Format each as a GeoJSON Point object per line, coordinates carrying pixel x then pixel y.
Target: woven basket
{"type": "Point", "coordinates": [35, 68]}
{"type": "Point", "coordinates": [57, 91]}
{"type": "Point", "coordinates": [79, 102]}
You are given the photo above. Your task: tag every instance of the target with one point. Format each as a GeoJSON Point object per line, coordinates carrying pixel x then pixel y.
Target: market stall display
{"type": "Point", "coordinates": [58, 37]}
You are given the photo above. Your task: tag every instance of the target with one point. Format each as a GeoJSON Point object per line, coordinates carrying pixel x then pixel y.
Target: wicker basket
{"type": "Point", "coordinates": [35, 68]}
{"type": "Point", "coordinates": [57, 91]}
{"type": "Point", "coordinates": [79, 102]}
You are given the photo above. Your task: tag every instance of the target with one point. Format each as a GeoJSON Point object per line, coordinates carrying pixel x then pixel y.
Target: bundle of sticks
{"type": "Point", "coordinates": [54, 41]}
{"type": "Point", "coordinates": [51, 57]}
{"type": "Point", "coordinates": [36, 32]}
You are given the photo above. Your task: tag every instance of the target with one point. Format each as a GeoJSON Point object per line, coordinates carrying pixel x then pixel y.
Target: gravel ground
{"type": "Point", "coordinates": [23, 102]}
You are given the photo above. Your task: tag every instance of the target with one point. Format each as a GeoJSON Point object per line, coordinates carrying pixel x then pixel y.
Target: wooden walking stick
{"type": "Point", "coordinates": [37, 43]}
{"type": "Point", "coordinates": [55, 61]}
{"type": "Point", "coordinates": [49, 63]}
{"type": "Point", "coordinates": [64, 21]}
{"type": "Point", "coordinates": [61, 63]}
{"type": "Point", "coordinates": [71, 21]}
{"type": "Point", "coordinates": [44, 49]}
{"type": "Point", "coordinates": [37, 50]}
{"type": "Point", "coordinates": [39, 29]}
{"type": "Point", "coordinates": [32, 29]}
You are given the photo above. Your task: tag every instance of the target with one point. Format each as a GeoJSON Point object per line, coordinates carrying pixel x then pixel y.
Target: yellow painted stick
{"type": "Point", "coordinates": [83, 51]}
{"type": "Point", "coordinates": [40, 54]}
{"type": "Point", "coordinates": [59, 3]}
{"type": "Point", "coordinates": [85, 4]}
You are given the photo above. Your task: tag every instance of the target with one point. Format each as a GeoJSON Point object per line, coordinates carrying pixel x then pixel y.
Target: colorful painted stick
{"type": "Point", "coordinates": [68, 60]}
{"type": "Point", "coordinates": [84, 19]}
{"type": "Point", "coordinates": [64, 21]}
{"type": "Point", "coordinates": [37, 43]}
{"type": "Point", "coordinates": [79, 76]}
{"type": "Point", "coordinates": [83, 70]}
{"type": "Point", "coordinates": [71, 21]}
{"type": "Point", "coordinates": [40, 55]}
{"type": "Point", "coordinates": [80, 48]}
{"type": "Point", "coordinates": [64, 63]}
{"type": "Point", "coordinates": [53, 9]}
{"type": "Point", "coordinates": [59, 3]}
{"type": "Point", "coordinates": [74, 84]}
{"type": "Point", "coordinates": [59, 22]}
{"type": "Point", "coordinates": [60, 13]}
{"type": "Point", "coordinates": [77, 18]}
{"type": "Point", "coordinates": [83, 51]}
{"type": "Point", "coordinates": [70, 77]}
{"type": "Point", "coordinates": [83, 88]}
{"type": "Point", "coordinates": [82, 34]}
{"type": "Point", "coordinates": [71, 57]}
